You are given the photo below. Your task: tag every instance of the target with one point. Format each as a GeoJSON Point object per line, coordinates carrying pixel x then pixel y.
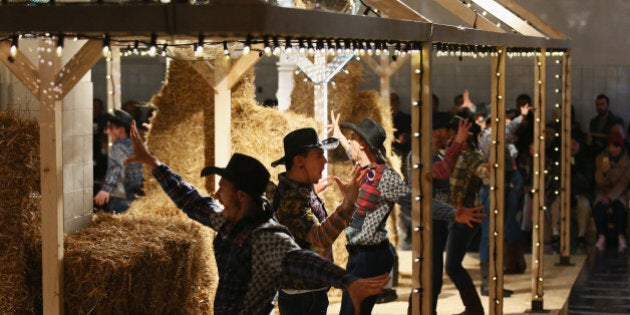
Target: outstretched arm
{"type": "Point", "coordinates": [336, 130]}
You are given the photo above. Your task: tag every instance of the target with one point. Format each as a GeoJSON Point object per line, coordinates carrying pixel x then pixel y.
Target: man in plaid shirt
{"type": "Point", "coordinates": [299, 208]}
{"type": "Point", "coordinates": [122, 182]}
{"type": "Point", "coordinates": [255, 255]}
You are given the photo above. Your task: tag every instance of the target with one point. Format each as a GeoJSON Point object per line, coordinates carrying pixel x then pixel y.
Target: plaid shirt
{"type": "Point", "coordinates": [466, 178]}
{"type": "Point", "coordinates": [303, 212]}
{"type": "Point", "coordinates": [121, 179]}
{"type": "Point", "coordinates": [373, 231]}
{"type": "Point", "coordinates": [256, 256]}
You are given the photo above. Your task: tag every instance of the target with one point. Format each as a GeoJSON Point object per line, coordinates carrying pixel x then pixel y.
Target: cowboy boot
{"type": "Point", "coordinates": [471, 302]}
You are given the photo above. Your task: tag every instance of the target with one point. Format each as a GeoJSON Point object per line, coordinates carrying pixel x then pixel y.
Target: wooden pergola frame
{"type": "Point", "coordinates": [233, 20]}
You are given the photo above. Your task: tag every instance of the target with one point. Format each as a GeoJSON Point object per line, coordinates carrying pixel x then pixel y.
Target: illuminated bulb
{"type": "Point", "coordinates": [59, 49]}
{"type": "Point", "coordinates": [14, 45]}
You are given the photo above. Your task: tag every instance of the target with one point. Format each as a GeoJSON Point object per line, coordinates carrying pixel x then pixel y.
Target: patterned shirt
{"type": "Point", "coordinates": [122, 179]}
{"type": "Point", "coordinates": [272, 256]}
{"type": "Point", "coordinates": [466, 178]}
{"type": "Point", "coordinates": [373, 232]}
{"type": "Point", "coordinates": [303, 212]}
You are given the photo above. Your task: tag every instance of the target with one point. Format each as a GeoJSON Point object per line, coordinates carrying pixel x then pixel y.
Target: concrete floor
{"type": "Point", "coordinates": [558, 282]}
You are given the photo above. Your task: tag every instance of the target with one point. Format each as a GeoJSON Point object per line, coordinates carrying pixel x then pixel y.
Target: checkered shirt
{"type": "Point", "coordinates": [260, 255]}
{"type": "Point", "coordinates": [373, 231]}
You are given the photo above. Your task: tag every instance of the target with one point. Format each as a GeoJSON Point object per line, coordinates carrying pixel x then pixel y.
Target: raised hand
{"type": "Point", "coordinates": [462, 130]}
{"type": "Point", "coordinates": [141, 153]}
{"type": "Point", "coordinates": [350, 189]}
{"type": "Point", "coordinates": [468, 216]}
{"type": "Point", "coordinates": [335, 131]}
{"type": "Point", "coordinates": [363, 288]}
{"type": "Point", "coordinates": [322, 184]}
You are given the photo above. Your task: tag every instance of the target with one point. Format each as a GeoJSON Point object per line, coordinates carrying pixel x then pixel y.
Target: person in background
{"type": "Point", "coordinates": [256, 256]}
{"type": "Point", "coordinates": [465, 183]}
{"type": "Point", "coordinates": [299, 208]}
{"type": "Point", "coordinates": [122, 182]}
{"type": "Point", "coordinates": [612, 176]}
{"type": "Point", "coordinates": [99, 143]}
{"type": "Point", "coordinates": [600, 125]}
{"type": "Point", "coordinates": [402, 124]}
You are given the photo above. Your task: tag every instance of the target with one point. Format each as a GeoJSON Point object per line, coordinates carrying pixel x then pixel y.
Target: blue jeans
{"type": "Point", "coordinates": [364, 264]}
{"type": "Point", "coordinates": [440, 237]}
{"type": "Point", "coordinates": [513, 231]}
{"type": "Point", "coordinates": [315, 303]}
{"type": "Point", "coordinates": [118, 205]}
{"type": "Point", "coordinates": [459, 238]}
{"type": "Point", "coordinates": [601, 216]}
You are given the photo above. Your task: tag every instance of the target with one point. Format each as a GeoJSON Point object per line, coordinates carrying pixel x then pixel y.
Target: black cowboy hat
{"type": "Point", "coordinates": [303, 139]}
{"type": "Point", "coordinates": [441, 120]}
{"type": "Point", "coordinates": [120, 117]}
{"type": "Point", "coordinates": [244, 172]}
{"type": "Point", "coordinates": [373, 135]}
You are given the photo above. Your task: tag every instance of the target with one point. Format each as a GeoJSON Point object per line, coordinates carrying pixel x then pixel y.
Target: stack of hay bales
{"type": "Point", "coordinates": [20, 217]}
{"type": "Point", "coordinates": [137, 265]}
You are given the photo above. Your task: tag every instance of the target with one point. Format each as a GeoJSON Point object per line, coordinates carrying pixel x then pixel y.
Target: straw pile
{"type": "Point", "coordinates": [344, 6]}
{"type": "Point", "coordinates": [137, 265]}
{"type": "Point", "coordinates": [20, 215]}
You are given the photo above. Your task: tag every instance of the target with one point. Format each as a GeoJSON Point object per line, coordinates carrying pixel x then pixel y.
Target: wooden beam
{"type": "Point", "coordinates": [509, 18]}
{"type": "Point", "coordinates": [497, 180]}
{"type": "Point", "coordinates": [533, 19]}
{"type": "Point", "coordinates": [240, 66]}
{"type": "Point", "coordinates": [473, 19]}
{"type": "Point", "coordinates": [78, 66]}
{"type": "Point", "coordinates": [421, 182]}
{"type": "Point", "coordinates": [426, 181]}
{"type": "Point", "coordinates": [565, 163]}
{"type": "Point", "coordinates": [396, 9]}
{"type": "Point", "coordinates": [21, 67]}
{"type": "Point", "coordinates": [222, 115]}
{"type": "Point", "coordinates": [538, 182]}
{"type": "Point", "coordinates": [50, 117]}
{"type": "Point", "coordinates": [205, 69]}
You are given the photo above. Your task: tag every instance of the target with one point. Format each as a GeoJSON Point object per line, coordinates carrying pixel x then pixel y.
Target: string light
{"type": "Point", "coordinates": [248, 44]}
{"type": "Point", "coordinates": [226, 51]}
{"type": "Point", "coordinates": [199, 46]}
{"type": "Point", "coordinates": [14, 45]}
{"type": "Point", "coordinates": [59, 49]}
{"type": "Point", "coordinates": [106, 46]}
{"type": "Point", "coordinates": [153, 45]}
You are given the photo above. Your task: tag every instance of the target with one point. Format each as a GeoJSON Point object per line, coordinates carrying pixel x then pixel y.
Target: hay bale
{"type": "Point", "coordinates": [138, 265]}
{"type": "Point", "coordinates": [20, 237]}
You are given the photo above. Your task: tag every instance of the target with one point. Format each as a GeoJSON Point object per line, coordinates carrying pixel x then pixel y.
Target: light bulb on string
{"type": "Point", "coordinates": [268, 51]}
{"type": "Point", "coordinates": [199, 46]}
{"type": "Point", "coordinates": [248, 44]}
{"type": "Point", "coordinates": [153, 45]}
{"type": "Point", "coordinates": [14, 45]}
{"type": "Point", "coordinates": [106, 46]}
{"type": "Point", "coordinates": [59, 50]}
{"type": "Point", "coordinates": [226, 51]}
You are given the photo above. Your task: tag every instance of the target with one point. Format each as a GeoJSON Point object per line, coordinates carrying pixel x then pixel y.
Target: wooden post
{"type": "Point", "coordinates": [50, 117]}
{"type": "Point", "coordinates": [565, 174]}
{"type": "Point", "coordinates": [538, 183]}
{"type": "Point", "coordinates": [113, 79]}
{"type": "Point", "coordinates": [222, 115]}
{"type": "Point", "coordinates": [384, 69]}
{"type": "Point", "coordinates": [496, 212]}
{"type": "Point", "coordinates": [421, 298]}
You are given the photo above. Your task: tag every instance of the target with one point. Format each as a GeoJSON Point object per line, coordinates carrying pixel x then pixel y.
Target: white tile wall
{"type": "Point", "coordinates": [76, 126]}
